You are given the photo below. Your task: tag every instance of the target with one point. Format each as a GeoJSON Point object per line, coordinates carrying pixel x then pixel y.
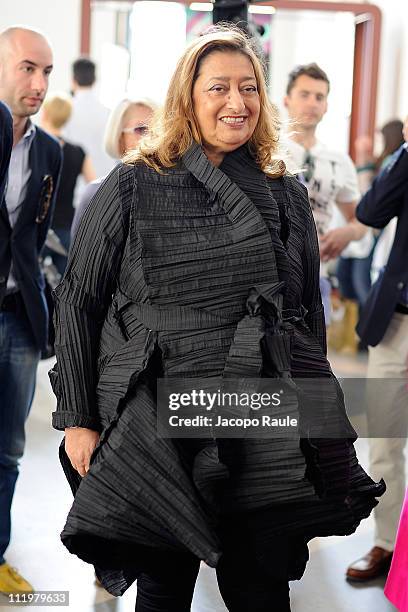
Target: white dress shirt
{"type": "Point", "coordinates": [86, 127]}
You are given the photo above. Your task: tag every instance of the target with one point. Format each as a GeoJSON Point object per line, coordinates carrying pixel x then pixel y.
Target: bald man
{"type": "Point", "coordinates": [25, 215]}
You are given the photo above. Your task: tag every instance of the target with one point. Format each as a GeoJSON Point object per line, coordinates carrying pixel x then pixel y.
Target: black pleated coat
{"type": "Point", "coordinates": [196, 272]}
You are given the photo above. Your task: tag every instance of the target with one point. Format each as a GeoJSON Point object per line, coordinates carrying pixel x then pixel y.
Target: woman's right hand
{"type": "Point", "coordinates": [80, 443]}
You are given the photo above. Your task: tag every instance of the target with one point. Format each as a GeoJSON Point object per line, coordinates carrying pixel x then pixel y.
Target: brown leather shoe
{"type": "Point", "coordinates": [375, 563]}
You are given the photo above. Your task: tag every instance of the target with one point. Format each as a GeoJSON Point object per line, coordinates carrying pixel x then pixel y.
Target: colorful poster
{"type": "Point", "coordinates": [199, 21]}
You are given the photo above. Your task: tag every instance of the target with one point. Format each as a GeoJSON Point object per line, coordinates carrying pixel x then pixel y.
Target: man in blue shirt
{"type": "Point", "coordinates": [25, 215]}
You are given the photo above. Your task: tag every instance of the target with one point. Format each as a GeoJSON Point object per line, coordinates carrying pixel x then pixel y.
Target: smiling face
{"type": "Point", "coordinates": [26, 63]}
{"type": "Point", "coordinates": [307, 101]}
{"type": "Point", "coordinates": [226, 102]}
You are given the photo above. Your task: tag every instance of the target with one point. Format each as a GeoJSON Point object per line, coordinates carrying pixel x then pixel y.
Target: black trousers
{"type": "Point", "coordinates": [244, 584]}
{"type": "Point", "coordinates": [242, 587]}
{"type": "Point", "coordinates": [253, 571]}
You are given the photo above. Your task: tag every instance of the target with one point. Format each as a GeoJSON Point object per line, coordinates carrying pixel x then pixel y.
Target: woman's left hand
{"type": "Point", "coordinates": [80, 443]}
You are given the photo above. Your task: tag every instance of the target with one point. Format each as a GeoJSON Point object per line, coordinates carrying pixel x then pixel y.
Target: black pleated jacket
{"type": "Point", "coordinates": [196, 272]}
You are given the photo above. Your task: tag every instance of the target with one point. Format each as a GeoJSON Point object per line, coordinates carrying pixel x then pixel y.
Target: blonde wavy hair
{"type": "Point", "coordinates": [57, 108]}
{"type": "Point", "coordinates": [175, 128]}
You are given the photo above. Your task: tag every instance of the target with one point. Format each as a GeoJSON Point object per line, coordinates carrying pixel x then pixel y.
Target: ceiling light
{"type": "Point", "coordinates": [201, 6]}
{"type": "Point", "coordinates": [261, 9]}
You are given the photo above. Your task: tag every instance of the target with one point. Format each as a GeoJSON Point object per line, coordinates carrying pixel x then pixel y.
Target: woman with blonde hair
{"type": "Point", "coordinates": [127, 124]}
{"type": "Point", "coordinates": [198, 259]}
{"type": "Point", "coordinates": [56, 111]}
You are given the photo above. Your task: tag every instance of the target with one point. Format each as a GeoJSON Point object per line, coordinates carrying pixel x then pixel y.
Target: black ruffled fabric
{"type": "Point", "coordinates": [214, 273]}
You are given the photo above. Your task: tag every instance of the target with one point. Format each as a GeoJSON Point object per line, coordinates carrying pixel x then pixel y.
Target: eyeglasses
{"type": "Point", "coordinates": [139, 130]}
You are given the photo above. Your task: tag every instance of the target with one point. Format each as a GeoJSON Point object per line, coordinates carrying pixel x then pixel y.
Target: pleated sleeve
{"type": "Point", "coordinates": [82, 300]}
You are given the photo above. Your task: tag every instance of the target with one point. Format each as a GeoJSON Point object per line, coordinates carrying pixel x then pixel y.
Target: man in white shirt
{"type": "Point", "coordinates": [329, 176]}
{"type": "Point", "coordinates": [86, 126]}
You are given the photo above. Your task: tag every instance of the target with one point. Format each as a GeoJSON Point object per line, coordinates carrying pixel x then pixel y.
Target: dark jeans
{"type": "Point", "coordinates": [18, 366]}
{"type": "Point", "coordinates": [244, 584]}
{"type": "Point", "coordinates": [354, 278]}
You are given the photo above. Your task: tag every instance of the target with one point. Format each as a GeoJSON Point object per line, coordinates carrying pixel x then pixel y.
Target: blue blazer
{"type": "Point", "coordinates": [387, 198]}
{"type": "Point", "coordinates": [22, 244]}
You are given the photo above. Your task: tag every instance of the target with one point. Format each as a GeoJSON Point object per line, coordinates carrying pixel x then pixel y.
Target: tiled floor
{"type": "Point", "coordinates": [43, 499]}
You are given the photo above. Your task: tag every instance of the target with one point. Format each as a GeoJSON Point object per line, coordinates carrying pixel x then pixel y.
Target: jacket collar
{"type": "Point", "coordinates": [34, 185]}
{"type": "Point", "coordinates": [234, 201]}
{"type": "Point", "coordinates": [240, 209]}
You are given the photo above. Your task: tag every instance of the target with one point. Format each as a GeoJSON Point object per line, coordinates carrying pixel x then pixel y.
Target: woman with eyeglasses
{"type": "Point", "coordinates": [127, 124]}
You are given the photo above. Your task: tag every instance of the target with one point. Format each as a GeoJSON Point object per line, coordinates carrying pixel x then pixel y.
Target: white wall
{"type": "Point", "coordinates": [158, 38]}
{"type": "Point", "coordinates": [103, 32]}
{"type": "Point", "coordinates": [59, 20]}
{"type": "Point", "coordinates": [403, 87]}
{"type": "Point", "coordinates": [302, 37]}
{"type": "Point", "coordinates": [392, 97]}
